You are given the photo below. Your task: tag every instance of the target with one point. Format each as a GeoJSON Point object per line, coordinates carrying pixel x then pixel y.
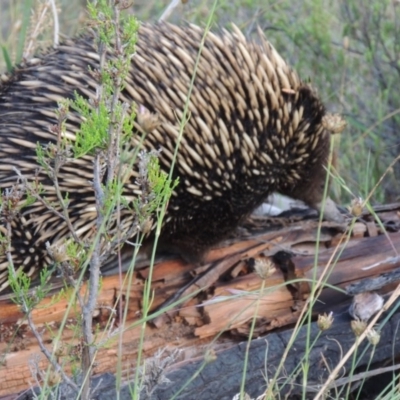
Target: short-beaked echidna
{"type": "Point", "coordinates": [253, 128]}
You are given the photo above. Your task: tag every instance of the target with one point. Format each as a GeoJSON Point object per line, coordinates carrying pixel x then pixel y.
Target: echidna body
{"type": "Point", "coordinates": [253, 128]}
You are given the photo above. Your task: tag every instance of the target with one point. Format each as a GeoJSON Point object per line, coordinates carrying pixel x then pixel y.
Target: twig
{"type": "Point", "coordinates": [35, 32]}
{"type": "Point", "coordinates": [89, 307]}
{"type": "Point", "coordinates": [357, 377]}
{"type": "Point", "coordinates": [55, 365]}
{"type": "Point", "coordinates": [56, 24]}
{"type": "Point", "coordinates": [169, 9]}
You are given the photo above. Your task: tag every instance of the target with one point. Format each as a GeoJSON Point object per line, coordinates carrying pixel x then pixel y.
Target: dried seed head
{"type": "Point", "coordinates": [54, 378]}
{"type": "Point", "coordinates": [325, 321]}
{"type": "Point", "coordinates": [373, 337]}
{"type": "Point", "coordinates": [146, 226]}
{"type": "Point", "coordinates": [334, 123]}
{"type": "Point", "coordinates": [210, 356]}
{"type": "Point", "coordinates": [58, 253]}
{"type": "Point", "coordinates": [356, 207]}
{"type": "Point", "coordinates": [59, 349]}
{"type": "Point", "coordinates": [147, 120]}
{"type": "Point", "coordinates": [264, 267]}
{"type": "Point", "coordinates": [358, 327]}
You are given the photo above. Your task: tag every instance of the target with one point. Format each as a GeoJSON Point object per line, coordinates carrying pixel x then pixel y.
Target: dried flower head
{"type": "Point", "coordinates": [147, 120]}
{"type": "Point", "coordinates": [54, 378]}
{"type": "Point", "coordinates": [358, 327]}
{"type": "Point", "coordinates": [334, 123]}
{"type": "Point", "coordinates": [210, 356]}
{"type": "Point", "coordinates": [373, 337]}
{"type": "Point", "coordinates": [325, 321]}
{"type": "Point", "coordinates": [356, 207]}
{"type": "Point", "coordinates": [264, 267]}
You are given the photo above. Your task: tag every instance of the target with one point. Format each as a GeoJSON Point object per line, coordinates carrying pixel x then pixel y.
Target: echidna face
{"type": "Point", "coordinates": [252, 128]}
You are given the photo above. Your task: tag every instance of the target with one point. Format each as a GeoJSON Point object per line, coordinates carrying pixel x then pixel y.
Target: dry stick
{"type": "Point", "coordinates": [357, 377]}
{"type": "Point", "coordinates": [88, 350]}
{"type": "Point", "coordinates": [40, 20]}
{"type": "Point", "coordinates": [359, 340]}
{"type": "Point", "coordinates": [364, 375]}
{"type": "Point", "coordinates": [169, 9]}
{"type": "Point", "coordinates": [88, 310]}
{"type": "Point", "coordinates": [35, 33]}
{"type": "Point", "coordinates": [55, 364]}
{"type": "Point", "coordinates": [56, 24]}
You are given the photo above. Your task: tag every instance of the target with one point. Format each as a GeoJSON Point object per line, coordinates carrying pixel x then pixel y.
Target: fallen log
{"type": "Point", "coordinates": [222, 299]}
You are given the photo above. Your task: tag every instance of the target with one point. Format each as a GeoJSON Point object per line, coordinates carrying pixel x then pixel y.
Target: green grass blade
{"type": "Point", "coordinates": [7, 58]}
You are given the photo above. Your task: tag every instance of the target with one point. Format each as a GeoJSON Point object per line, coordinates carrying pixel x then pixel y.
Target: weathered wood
{"type": "Point", "coordinates": [221, 378]}
{"type": "Point", "coordinates": [230, 295]}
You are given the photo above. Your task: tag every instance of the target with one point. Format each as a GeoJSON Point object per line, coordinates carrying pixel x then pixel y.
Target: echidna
{"type": "Point", "coordinates": [254, 128]}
